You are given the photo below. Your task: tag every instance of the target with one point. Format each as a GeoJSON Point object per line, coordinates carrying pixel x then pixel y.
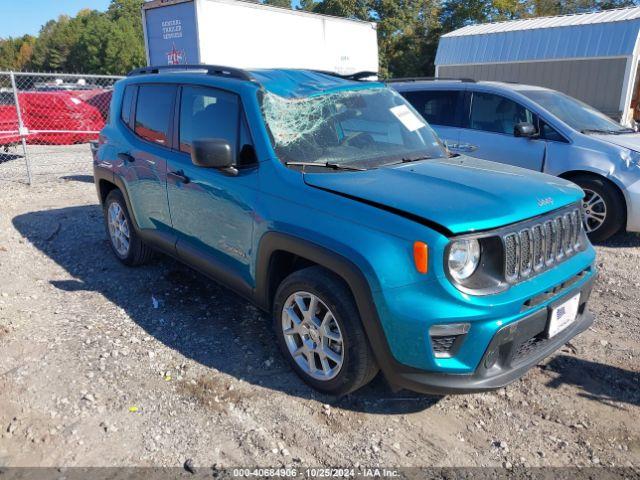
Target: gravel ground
{"type": "Point", "coordinates": [101, 365]}
{"type": "Point", "coordinates": [47, 162]}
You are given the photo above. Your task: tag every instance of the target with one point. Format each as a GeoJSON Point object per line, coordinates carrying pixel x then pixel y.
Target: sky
{"type": "Point", "coordinates": [27, 16]}
{"type": "Point", "coordinates": [20, 17]}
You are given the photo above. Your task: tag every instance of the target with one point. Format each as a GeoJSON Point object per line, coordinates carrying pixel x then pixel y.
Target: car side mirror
{"type": "Point", "coordinates": [525, 130]}
{"type": "Point", "coordinates": [213, 153]}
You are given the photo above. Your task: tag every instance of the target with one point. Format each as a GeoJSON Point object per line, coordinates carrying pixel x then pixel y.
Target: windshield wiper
{"type": "Point", "coordinates": [607, 132]}
{"type": "Point", "coordinates": [331, 165]}
{"type": "Point", "coordinates": [624, 130]}
{"type": "Point", "coordinates": [417, 159]}
{"type": "Point", "coordinates": [411, 159]}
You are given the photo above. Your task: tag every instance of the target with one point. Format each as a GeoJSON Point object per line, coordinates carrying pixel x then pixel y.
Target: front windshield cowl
{"type": "Point", "coordinates": [363, 128]}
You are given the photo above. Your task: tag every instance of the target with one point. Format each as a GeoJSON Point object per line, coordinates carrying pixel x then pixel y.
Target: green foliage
{"type": "Point", "coordinates": [15, 53]}
{"type": "Point", "coordinates": [278, 3]}
{"type": "Point", "coordinates": [408, 30]}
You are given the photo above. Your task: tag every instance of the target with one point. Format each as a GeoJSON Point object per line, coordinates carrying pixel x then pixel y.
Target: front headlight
{"type": "Point", "coordinates": [464, 258]}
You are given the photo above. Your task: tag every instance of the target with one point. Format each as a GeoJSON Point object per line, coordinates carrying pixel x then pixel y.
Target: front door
{"type": "Point", "coordinates": [489, 133]}
{"type": "Point", "coordinates": [212, 211]}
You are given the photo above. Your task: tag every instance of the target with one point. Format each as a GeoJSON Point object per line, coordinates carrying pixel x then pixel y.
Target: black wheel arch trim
{"type": "Point", "coordinates": [160, 240]}
{"type": "Point", "coordinates": [105, 174]}
{"type": "Point", "coordinates": [352, 275]}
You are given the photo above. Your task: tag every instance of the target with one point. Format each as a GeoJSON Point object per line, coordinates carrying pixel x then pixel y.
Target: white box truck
{"type": "Point", "coordinates": [250, 35]}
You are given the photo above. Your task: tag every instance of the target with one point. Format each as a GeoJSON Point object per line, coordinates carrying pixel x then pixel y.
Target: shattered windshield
{"type": "Point", "coordinates": [364, 128]}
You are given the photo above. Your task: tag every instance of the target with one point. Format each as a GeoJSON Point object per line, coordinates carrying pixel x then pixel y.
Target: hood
{"type": "Point", "coordinates": [459, 194]}
{"type": "Point", "coordinates": [627, 140]}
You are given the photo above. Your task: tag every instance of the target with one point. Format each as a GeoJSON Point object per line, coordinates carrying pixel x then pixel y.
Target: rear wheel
{"type": "Point", "coordinates": [320, 333]}
{"type": "Point", "coordinates": [604, 208]}
{"type": "Point", "coordinates": [125, 242]}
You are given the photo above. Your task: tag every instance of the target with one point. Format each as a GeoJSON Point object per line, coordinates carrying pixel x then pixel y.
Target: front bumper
{"type": "Point", "coordinates": [514, 350]}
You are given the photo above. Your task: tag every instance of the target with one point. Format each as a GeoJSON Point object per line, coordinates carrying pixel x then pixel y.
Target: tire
{"type": "Point", "coordinates": [137, 253]}
{"type": "Point", "coordinates": [358, 366]}
{"type": "Point", "coordinates": [608, 201]}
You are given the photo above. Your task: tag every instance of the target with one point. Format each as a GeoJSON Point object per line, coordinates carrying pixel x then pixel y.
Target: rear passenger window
{"type": "Point", "coordinates": [208, 113]}
{"type": "Point", "coordinates": [127, 103]}
{"type": "Point", "coordinates": [438, 107]}
{"type": "Point", "coordinates": [154, 112]}
{"type": "Point", "coordinates": [493, 113]}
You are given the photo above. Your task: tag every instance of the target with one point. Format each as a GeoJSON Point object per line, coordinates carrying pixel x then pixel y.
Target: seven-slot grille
{"type": "Point", "coordinates": [540, 245]}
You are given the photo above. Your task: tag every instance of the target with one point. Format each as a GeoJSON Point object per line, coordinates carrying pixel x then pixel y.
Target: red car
{"type": "Point", "coordinates": [55, 118]}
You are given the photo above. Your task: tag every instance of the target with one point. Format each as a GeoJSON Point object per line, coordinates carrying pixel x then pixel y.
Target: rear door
{"type": "Point", "coordinates": [488, 132]}
{"type": "Point", "coordinates": [442, 109]}
{"type": "Point", "coordinates": [148, 113]}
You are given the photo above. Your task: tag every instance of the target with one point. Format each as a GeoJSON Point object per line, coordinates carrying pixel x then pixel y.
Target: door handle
{"type": "Point", "coordinates": [179, 176]}
{"type": "Point", "coordinates": [126, 157]}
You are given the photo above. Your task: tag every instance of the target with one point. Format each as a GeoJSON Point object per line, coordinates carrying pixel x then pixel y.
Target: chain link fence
{"type": "Point", "coordinates": [47, 122]}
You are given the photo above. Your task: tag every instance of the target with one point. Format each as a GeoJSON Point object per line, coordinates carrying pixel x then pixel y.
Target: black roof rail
{"type": "Point", "coordinates": [357, 76]}
{"type": "Point", "coordinates": [432, 79]}
{"type": "Point", "coordinates": [209, 69]}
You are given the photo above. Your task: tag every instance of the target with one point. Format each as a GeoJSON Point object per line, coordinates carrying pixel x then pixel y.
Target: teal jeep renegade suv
{"type": "Point", "coordinates": [331, 204]}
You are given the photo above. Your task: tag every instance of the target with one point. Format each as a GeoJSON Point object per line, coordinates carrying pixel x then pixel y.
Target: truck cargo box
{"type": "Point", "coordinates": [250, 35]}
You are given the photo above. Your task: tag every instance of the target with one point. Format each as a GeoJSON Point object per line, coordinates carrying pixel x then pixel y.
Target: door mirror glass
{"type": "Point", "coordinates": [525, 129]}
{"type": "Point", "coordinates": [212, 153]}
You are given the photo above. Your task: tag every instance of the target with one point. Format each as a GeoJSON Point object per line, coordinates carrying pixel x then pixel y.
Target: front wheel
{"type": "Point", "coordinates": [603, 206]}
{"type": "Point", "coordinates": [320, 333]}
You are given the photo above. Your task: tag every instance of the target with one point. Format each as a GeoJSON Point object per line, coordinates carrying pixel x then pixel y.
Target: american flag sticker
{"type": "Point", "coordinates": [563, 316]}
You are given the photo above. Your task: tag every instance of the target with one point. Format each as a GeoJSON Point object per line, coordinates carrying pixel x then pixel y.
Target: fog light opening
{"type": "Point", "coordinates": [446, 338]}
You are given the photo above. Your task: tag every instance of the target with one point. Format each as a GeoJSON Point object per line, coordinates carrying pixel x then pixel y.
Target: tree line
{"type": "Point", "coordinates": [111, 42]}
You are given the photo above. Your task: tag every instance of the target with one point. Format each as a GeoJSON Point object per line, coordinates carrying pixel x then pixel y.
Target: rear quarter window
{"type": "Point", "coordinates": [154, 113]}
{"type": "Point", "coordinates": [127, 104]}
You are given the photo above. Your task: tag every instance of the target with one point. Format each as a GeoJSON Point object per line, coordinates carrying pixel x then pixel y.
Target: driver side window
{"type": "Point", "coordinates": [208, 113]}
{"type": "Point", "coordinates": [497, 114]}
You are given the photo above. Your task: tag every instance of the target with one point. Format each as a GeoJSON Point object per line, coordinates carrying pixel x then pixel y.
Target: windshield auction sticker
{"type": "Point", "coordinates": [409, 119]}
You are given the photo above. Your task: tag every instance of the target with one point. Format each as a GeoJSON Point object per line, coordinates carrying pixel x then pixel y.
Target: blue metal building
{"type": "Point", "coordinates": [592, 56]}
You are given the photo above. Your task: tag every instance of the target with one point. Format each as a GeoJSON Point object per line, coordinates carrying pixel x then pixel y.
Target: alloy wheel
{"type": "Point", "coordinates": [313, 336]}
{"type": "Point", "coordinates": [118, 229]}
{"type": "Point", "coordinates": [595, 210]}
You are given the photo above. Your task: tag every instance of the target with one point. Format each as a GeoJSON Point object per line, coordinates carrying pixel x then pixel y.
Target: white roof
{"type": "Point", "coordinates": [607, 16]}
